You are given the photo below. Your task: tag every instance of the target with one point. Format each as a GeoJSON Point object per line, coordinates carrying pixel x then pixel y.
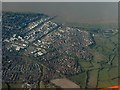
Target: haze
{"type": "Point", "coordinates": [79, 12]}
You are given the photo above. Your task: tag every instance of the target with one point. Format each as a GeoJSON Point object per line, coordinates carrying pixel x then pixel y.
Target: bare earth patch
{"type": "Point", "coordinates": [64, 83]}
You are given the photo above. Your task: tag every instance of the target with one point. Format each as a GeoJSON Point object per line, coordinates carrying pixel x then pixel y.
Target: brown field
{"type": "Point", "coordinates": [64, 83]}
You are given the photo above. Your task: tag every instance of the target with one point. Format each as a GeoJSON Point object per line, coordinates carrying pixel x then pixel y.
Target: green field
{"type": "Point", "coordinates": [80, 79]}
{"type": "Point", "coordinates": [113, 72]}
{"type": "Point", "coordinates": [93, 79]}
{"type": "Point", "coordinates": [13, 85]}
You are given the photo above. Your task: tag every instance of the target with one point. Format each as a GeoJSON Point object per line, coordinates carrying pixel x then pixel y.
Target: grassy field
{"type": "Point", "coordinates": [113, 72]}
{"type": "Point", "coordinates": [85, 64]}
{"type": "Point", "coordinates": [92, 81]}
{"type": "Point", "coordinates": [104, 75]}
{"type": "Point", "coordinates": [80, 79]}
{"type": "Point", "coordinates": [115, 61]}
{"type": "Point", "coordinates": [98, 57]}
{"type": "Point", "coordinates": [104, 84]}
{"type": "Point", "coordinates": [13, 85]}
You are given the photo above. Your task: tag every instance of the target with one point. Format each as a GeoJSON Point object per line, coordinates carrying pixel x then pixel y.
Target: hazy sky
{"type": "Point", "coordinates": [82, 12]}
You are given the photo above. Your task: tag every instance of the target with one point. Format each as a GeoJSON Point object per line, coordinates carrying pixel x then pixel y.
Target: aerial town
{"type": "Point", "coordinates": [36, 49]}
